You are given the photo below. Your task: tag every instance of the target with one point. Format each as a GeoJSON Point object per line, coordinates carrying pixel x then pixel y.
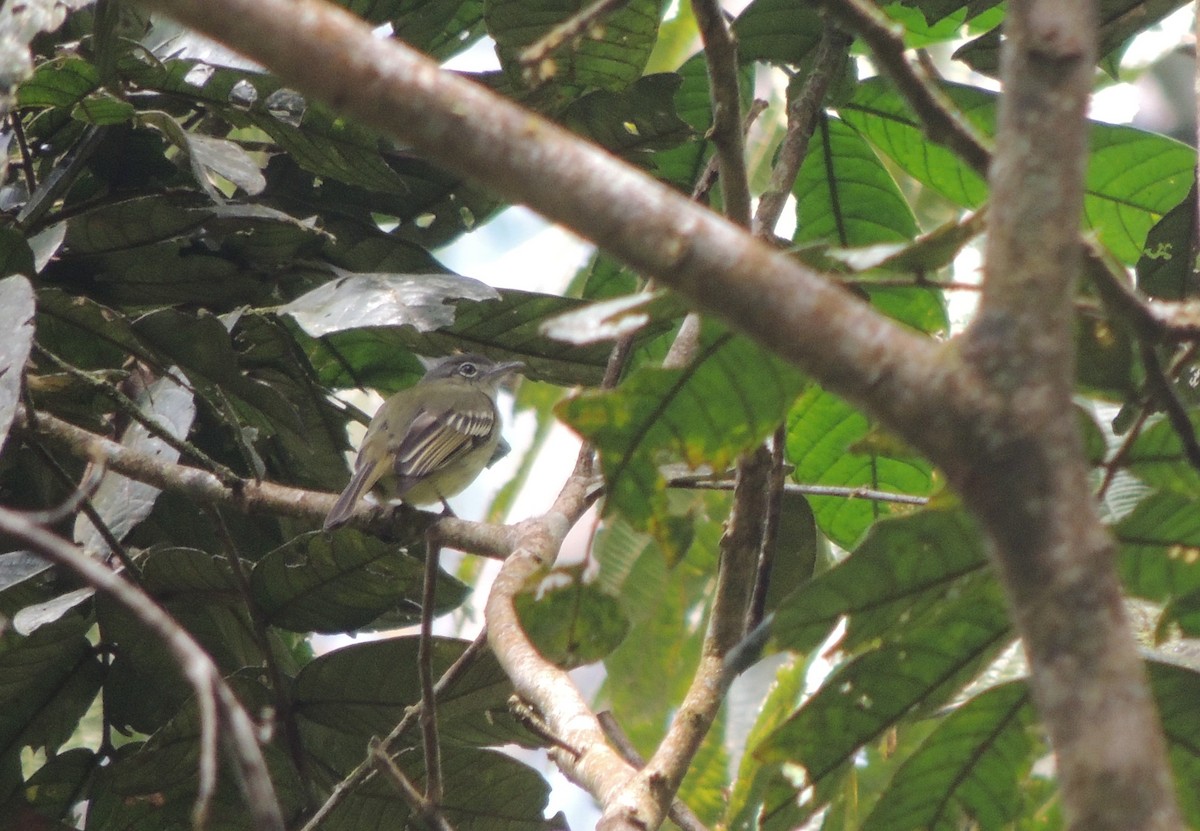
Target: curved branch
{"type": "Point", "coordinates": [217, 704]}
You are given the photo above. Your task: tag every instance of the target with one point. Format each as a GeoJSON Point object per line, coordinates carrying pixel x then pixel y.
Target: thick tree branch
{"type": "Point", "coordinates": [644, 802]}
{"type": "Point", "coordinates": [976, 409]}
{"type": "Point", "coordinates": [893, 373]}
{"type": "Point", "coordinates": [1030, 488]}
{"type": "Point", "coordinates": [582, 752]}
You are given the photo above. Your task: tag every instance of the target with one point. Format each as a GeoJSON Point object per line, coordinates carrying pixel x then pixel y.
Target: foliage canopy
{"type": "Point", "coordinates": [188, 244]}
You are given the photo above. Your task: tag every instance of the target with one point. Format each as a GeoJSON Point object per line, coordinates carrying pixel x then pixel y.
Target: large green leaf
{"type": "Point", "coordinates": [920, 669]}
{"type": "Point", "coordinates": [344, 582]}
{"type": "Point", "coordinates": [1158, 459]}
{"type": "Point", "coordinates": [730, 397]}
{"type": "Point", "coordinates": [439, 28]}
{"type": "Point", "coordinates": [611, 55]}
{"type": "Point", "coordinates": [831, 443]}
{"type": "Point", "coordinates": [1160, 547]}
{"type": "Point", "coordinates": [1165, 269]}
{"type": "Point", "coordinates": [1176, 689]}
{"type": "Point", "coordinates": [779, 31]}
{"type": "Point", "coordinates": [904, 567]}
{"type": "Point", "coordinates": [359, 691]}
{"type": "Point", "coordinates": [1134, 177]}
{"type": "Point", "coordinates": [845, 195]}
{"type": "Point", "coordinates": [973, 764]}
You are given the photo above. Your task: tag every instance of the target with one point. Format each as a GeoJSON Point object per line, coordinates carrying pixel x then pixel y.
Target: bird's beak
{"type": "Point", "coordinates": [506, 368]}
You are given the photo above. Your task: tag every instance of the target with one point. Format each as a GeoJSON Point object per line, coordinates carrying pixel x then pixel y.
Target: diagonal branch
{"type": "Point", "coordinates": [218, 706]}
{"type": "Point", "coordinates": [895, 374]}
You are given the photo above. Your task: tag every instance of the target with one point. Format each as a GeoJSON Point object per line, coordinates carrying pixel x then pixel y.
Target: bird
{"type": "Point", "coordinates": [430, 441]}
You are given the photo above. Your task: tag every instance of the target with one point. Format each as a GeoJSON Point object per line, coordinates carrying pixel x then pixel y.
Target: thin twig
{"type": "Point", "coordinates": [115, 548]}
{"type": "Point", "coordinates": [720, 54]}
{"type": "Point", "coordinates": [26, 157]}
{"type": "Point", "coordinates": [708, 176]}
{"type": "Point", "coordinates": [802, 109]}
{"type": "Point", "coordinates": [1159, 387]}
{"type": "Point", "coordinates": [365, 769]}
{"type": "Point", "coordinates": [679, 812]}
{"type": "Point", "coordinates": [941, 118]}
{"type": "Point", "coordinates": [429, 726]}
{"type": "Point", "coordinates": [699, 482]}
{"type": "Point", "coordinates": [80, 495]}
{"type": "Point", "coordinates": [583, 21]}
{"type": "Point", "coordinates": [284, 712]}
{"type": "Point", "coordinates": [427, 811]}
{"type": "Point", "coordinates": [216, 702]}
{"type": "Point", "coordinates": [127, 406]}
{"type": "Point", "coordinates": [774, 512]}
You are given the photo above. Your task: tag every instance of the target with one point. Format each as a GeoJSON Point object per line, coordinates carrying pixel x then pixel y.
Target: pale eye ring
{"type": "Point", "coordinates": [468, 370]}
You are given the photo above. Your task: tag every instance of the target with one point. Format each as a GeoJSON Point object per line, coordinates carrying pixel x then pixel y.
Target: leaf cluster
{"type": "Point", "coordinates": [199, 256]}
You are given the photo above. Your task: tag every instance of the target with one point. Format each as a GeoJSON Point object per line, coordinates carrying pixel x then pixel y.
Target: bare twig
{"type": "Point", "coordinates": [802, 108]}
{"type": "Point", "coordinates": [701, 482]}
{"type": "Point", "coordinates": [1161, 392]}
{"type": "Point", "coordinates": [577, 24]}
{"type": "Point", "coordinates": [365, 768]}
{"type": "Point", "coordinates": [720, 53]}
{"type": "Point", "coordinates": [679, 812]}
{"type": "Point", "coordinates": [218, 706]}
{"type": "Point", "coordinates": [774, 510]}
{"type": "Point", "coordinates": [18, 128]}
{"type": "Point", "coordinates": [429, 727]}
{"type": "Point", "coordinates": [425, 809]}
{"type": "Point", "coordinates": [943, 123]}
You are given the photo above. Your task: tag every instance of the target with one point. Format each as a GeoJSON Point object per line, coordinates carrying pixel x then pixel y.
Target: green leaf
{"type": "Point", "coordinates": [572, 624]}
{"type": "Point", "coordinates": [1158, 459]}
{"type": "Point", "coordinates": [16, 257]}
{"type": "Point", "coordinates": [485, 791]}
{"type": "Point", "coordinates": [778, 31]}
{"type": "Point", "coordinates": [1176, 689]}
{"type": "Point", "coordinates": [55, 788]}
{"type": "Point", "coordinates": [440, 29]}
{"type": "Point", "coordinates": [634, 122]}
{"type": "Point", "coordinates": [1134, 177]}
{"type": "Point", "coordinates": [904, 567]}
{"type": "Point", "coordinates": [47, 682]}
{"type": "Point", "coordinates": [16, 339]}
{"type": "Point", "coordinates": [1166, 270]}
{"type": "Point", "coordinates": [973, 764]}
{"type": "Point", "coordinates": [1160, 547]}
{"type": "Point", "coordinates": [730, 397]}
{"type": "Point", "coordinates": [921, 668]}
{"type": "Point", "coordinates": [831, 443]}
{"type": "Point", "coordinates": [345, 582]}
{"type": "Point", "coordinates": [611, 55]}
{"type": "Point", "coordinates": [362, 690]}
{"type": "Point", "coordinates": [844, 193]}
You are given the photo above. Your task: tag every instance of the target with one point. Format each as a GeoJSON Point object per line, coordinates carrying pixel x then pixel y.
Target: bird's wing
{"type": "Point", "coordinates": [437, 438]}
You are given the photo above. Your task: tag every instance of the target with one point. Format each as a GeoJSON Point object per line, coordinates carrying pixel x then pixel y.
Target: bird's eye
{"type": "Point", "coordinates": [468, 370]}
